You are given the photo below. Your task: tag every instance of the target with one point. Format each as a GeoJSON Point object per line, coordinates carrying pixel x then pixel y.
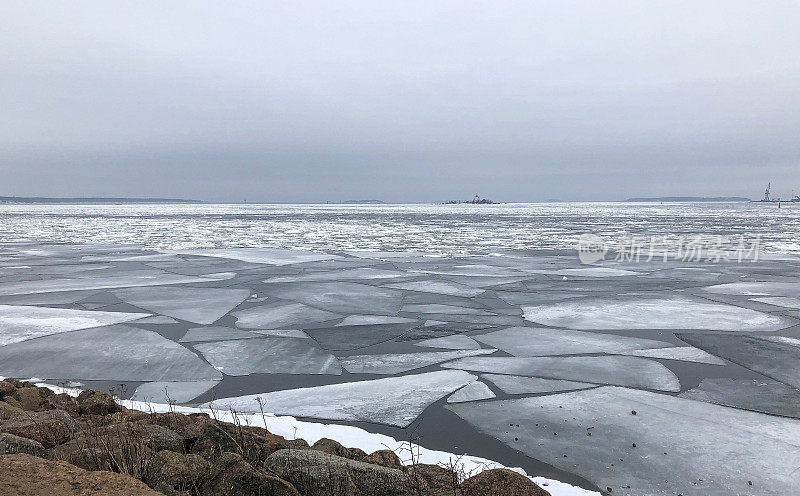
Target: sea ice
{"type": "Point", "coordinates": [352, 320]}
{"type": "Point", "coordinates": [340, 275]}
{"type": "Point", "coordinates": [773, 356]}
{"type": "Point", "coordinates": [437, 287]}
{"type": "Point", "coordinates": [454, 342]}
{"type": "Point", "coordinates": [781, 301]}
{"type": "Point", "coordinates": [19, 323]}
{"type": "Point", "coordinates": [358, 336]}
{"type": "Point", "coordinates": [515, 384]}
{"type": "Point", "coordinates": [758, 395]}
{"type": "Point", "coordinates": [652, 313]}
{"type": "Point", "coordinates": [281, 315]}
{"type": "Point", "coordinates": [538, 341]}
{"type": "Point", "coordinates": [392, 400]}
{"type": "Point", "coordinates": [757, 288]}
{"type": "Point", "coordinates": [198, 305]}
{"type": "Point", "coordinates": [395, 363]}
{"type": "Point", "coordinates": [683, 353]}
{"type": "Point", "coordinates": [443, 309]}
{"type": "Point", "coordinates": [614, 370]}
{"type": "Point", "coordinates": [138, 278]}
{"type": "Point", "coordinates": [473, 391]}
{"type": "Point", "coordinates": [284, 333]}
{"type": "Point", "coordinates": [171, 392]}
{"type": "Point", "coordinates": [271, 256]}
{"type": "Point", "coordinates": [269, 355]}
{"type": "Point", "coordinates": [669, 446]}
{"type": "Point", "coordinates": [340, 297]}
{"type": "Point", "coordinates": [596, 272]}
{"type": "Point", "coordinates": [215, 333]}
{"type": "Point", "coordinates": [115, 353]}
{"type": "Point", "coordinates": [157, 319]}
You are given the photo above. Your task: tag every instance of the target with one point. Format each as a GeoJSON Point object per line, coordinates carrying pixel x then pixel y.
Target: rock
{"type": "Point", "coordinates": [298, 444]}
{"type": "Point", "coordinates": [50, 433]}
{"type": "Point", "coordinates": [438, 479]}
{"type": "Point", "coordinates": [384, 458]}
{"type": "Point", "coordinates": [8, 411]}
{"type": "Point", "coordinates": [10, 444]}
{"type": "Point", "coordinates": [233, 476]}
{"type": "Point", "coordinates": [501, 481]}
{"type": "Point", "coordinates": [63, 401]}
{"type": "Point", "coordinates": [26, 475]}
{"type": "Point", "coordinates": [253, 444]}
{"type": "Point", "coordinates": [153, 436]}
{"type": "Point", "coordinates": [32, 398]}
{"type": "Point", "coordinates": [14, 382]}
{"type": "Point", "coordinates": [335, 448]}
{"type": "Point", "coordinates": [316, 473]}
{"type": "Point", "coordinates": [6, 389]}
{"type": "Point", "coordinates": [54, 414]}
{"type": "Point", "coordinates": [96, 403]}
{"type": "Point", "coordinates": [180, 471]}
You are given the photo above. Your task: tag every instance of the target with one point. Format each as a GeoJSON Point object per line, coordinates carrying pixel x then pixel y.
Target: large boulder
{"type": "Point", "coordinates": [26, 475]}
{"type": "Point", "coordinates": [96, 403]}
{"type": "Point", "coordinates": [32, 398]}
{"type": "Point", "coordinates": [50, 433]}
{"type": "Point", "coordinates": [501, 481]}
{"type": "Point", "coordinates": [233, 476]}
{"type": "Point", "coordinates": [315, 473]}
{"type": "Point", "coordinates": [255, 445]}
{"type": "Point", "coordinates": [333, 447]}
{"type": "Point", "coordinates": [6, 389]}
{"type": "Point", "coordinates": [438, 479]}
{"type": "Point", "coordinates": [384, 458]}
{"type": "Point", "coordinates": [54, 414]}
{"type": "Point", "coordinates": [9, 411]}
{"type": "Point", "coordinates": [180, 471]}
{"type": "Point", "coordinates": [65, 402]}
{"type": "Point", "coordinates": [10, 444]}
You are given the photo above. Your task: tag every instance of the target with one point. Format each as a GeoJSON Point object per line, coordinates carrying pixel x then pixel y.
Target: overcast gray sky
{"type": "Point", "coordinates": [407, 101]}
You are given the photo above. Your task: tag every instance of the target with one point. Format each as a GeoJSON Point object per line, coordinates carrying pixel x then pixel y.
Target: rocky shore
{"type": "Point", "coordinates": [56, 444]}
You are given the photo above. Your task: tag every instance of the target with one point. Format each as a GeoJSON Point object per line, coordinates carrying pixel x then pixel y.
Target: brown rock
{"type": "Point", "coordinates": [26, 475]}
{"type": "Point", "coordinates": [335, 448]}
{"type": "Point", "coordinates": [437, 478]}
{"type": "Point", "coordinates": [54, 414]}
{"type": "Point", "coordinates": [180, 471]}
{"type": "Point", "coordinates": [65, 402]}
{"type": "Point", "coordinates": [8, 411]}
{"type": "Point", "coordinates": [50, 433]}
{"type": "Point", "coordinates": [14, 382]}
{"type": "Point", "coordinates": [10, 444]}
{"type": "Point", "coordinates": [232, 476]}
{"type": "Point", "coordinates": [501, 481]}
{"type": "Point", "coordinates": [384, 458]}
{"type": "Point", "coordinates": [6, 389]}
{"type": "Point", "coordinates": [254, 445]}
{"type": "Point", "coordinates": [32, 398]}
{"type": "Point", "coordinates": [96, 403]}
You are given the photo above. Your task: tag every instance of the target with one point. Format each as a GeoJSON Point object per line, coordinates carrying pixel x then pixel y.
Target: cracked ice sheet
{"type": "Point", "coordinates": [20, 323]}
{"type": "Point", "coordinates": [780, 301]}
{"type": "Point", "coordinates": [358, 336]}
{"type": "Point", "coordinates": [613, 370]}
{"type": "Point", "coordinates": [454, 342]}
{"type": "Point", "coordinates": [115, 353]}
{"type": "Point", "coordinates": [593, 272]}
{"type": "Point", "coordinates": [758, 395]}
{"type": "Point", "coordinates": [394, 401]}
{"type": "Point", "coordinates": [515, 384]}
{"type": "Point", "coordinates": [215, 333]}
{"type": "Point", "coordinates": [757, 289]}
{"type": "Point", "coordinates": [169, 392]}
{"type": "Point", "coordinates": [198, 305]}
{"type": "Point", "coordinates": [773, 356]}
{"type": "Point", "coordinates": [683, 353]}
{"type": "Point", "coordinates": [139, 278]}
{"type": "Point", "coordinates": [353, 320]}
{"type": "Point", "coordinates": [269, 355]}
{"type": "Point", "coordinates": [270, 256]}
{"type": "Point", "coordinates": [340, 275]}
{"type": "Point", "coordinates": [396, 363]}
{"type": "Point", "coordinates": [538, 341]}
{"type": "Point", "coordinates": [473, 391]}
{"type": "Point", "coordinates": [710, 450]}
{"type": "Point", "coordinates": [437, 287]}
{"type": "Point", "coordinates": [341, 297]}
{"type": "Point", "coordinates": [651, 313]}
{"type": "Point", "coordinates": [436, 308]}
{"type": "Point", "coordinates": [281, 315]}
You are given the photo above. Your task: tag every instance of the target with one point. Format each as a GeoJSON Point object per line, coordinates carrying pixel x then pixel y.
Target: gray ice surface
{"type": "Point", "coordinates": [395, 363]}
{"type": "Point", "coordinates": [198, 305]}
{"type": "Point", "coordinates": [454, 342]}
{"type": "Point", "coordinates": [171, 392]}
{"type": "Point", "coordinates": [681, 446]}
{"type": "Point", "coordinates": [760, 395]}
{"type": "Point", "coordinates": [269, 355]}
{"type": "Point", "coordinates": [215, 333]}
{"type": "Point", "coordinates": [438, 287]}
{"type": "Point", "coordinates": [683, 353]}
{"type": "Point", "coordinates": [281, 315]}
{"type": "Point", "coordinates": [515, 384]}
{"type": "Point", "coordinates": [474, 391]}
{"type": "Point", "coordinates": [340, 297]}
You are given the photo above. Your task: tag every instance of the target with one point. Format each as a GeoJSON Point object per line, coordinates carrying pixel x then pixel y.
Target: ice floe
{"type": "Point", "coordinates": [171, 392]}
{"type": "Point", "coordinates": [395, 363]}
{"type": "Point", "coordinates": [652, 313]}
{"type": "Point", "coordinates": [157, 319]}
{"type": "Point", "coordinates": [394, 401]}
{"type": "Point", "coordinates": [757, 288]}
{"type": "Point", "coordinates": [340, 297]}
{"type": "Point", "coordinates": [669, 446]}
{"type": "Point", "coordinates": [454, 342]}
{"type": "Point", "coordinates": [357, 336]}
{"type": "Point", "coordinates": [115, 353]}
{"type": "Point", "coordinates": [281, 315]}
{"type": "Point", "coordinates": [215, 333]}
{"type": "Point", "coordinates": [538, 341]}
{"type": "Point", "coordinates": [760, 395]}
{"type": "Point", "coordinates": [340, 275]}
{"type": "Point", "coordinates": [269, 355]}
{"type": "Point", "coordinates": [271, 256]}
{"type": "Point", "coordinates": [474, 391]}
{"type": "Point", "coordinates": [438, 287]}
{"type": "Point", "coordinates": [683, 353]}
{"type": "Point", "coordinates": [139, 278]}
{"type": "Point", "coordinates": [515, 384]}
{"type": "Point", "coordinates": [19, 323]}
{"type": "Point", "coordinates": [352, 320]}
{"type": "Point", "coordinates": [614, 370]}
{"type": "Point", "coordinates": [780, 301]}
{"type": "Point", "coordinates": [198, 305]}
{"type": "Point", "coordinates": [774, 356]}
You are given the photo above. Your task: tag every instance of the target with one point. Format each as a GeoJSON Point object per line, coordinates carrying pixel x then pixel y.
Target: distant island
{"type": "Point", "coordinates": [691, 199]}
{"type": "Point", "coordinates": [359, 202]}
{"type": "Point", "coordinates": [44, 199]}
{"type": "Point", "coordinates": [477, 200]}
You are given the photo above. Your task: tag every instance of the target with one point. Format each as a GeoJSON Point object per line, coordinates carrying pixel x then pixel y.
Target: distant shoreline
{"type": "Point", "coordinates": [691, 199]}
{"type": "Point", "coordinates": [89, 200]}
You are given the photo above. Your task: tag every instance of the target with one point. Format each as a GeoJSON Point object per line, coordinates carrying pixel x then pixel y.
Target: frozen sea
{"type": "Point", "coordinates": [472, 329]}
